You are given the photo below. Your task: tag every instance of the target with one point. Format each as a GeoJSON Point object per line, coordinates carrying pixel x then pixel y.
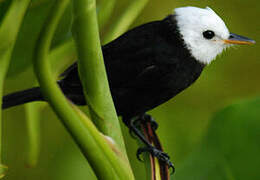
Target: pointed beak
{"type": "Point", "coordinates": [237, 39]}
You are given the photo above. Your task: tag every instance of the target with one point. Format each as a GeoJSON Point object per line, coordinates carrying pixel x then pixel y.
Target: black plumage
{"type": "Point", "coordinates": [149, 65]}
{"type": "Point", "coordinates": [146, 67]}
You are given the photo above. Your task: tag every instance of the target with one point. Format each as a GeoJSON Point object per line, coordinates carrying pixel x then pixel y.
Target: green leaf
{"type": "Point", "coordinates": [104, 12]}
{"type": "Point", "coordinates": [235, 133]}
{"type": "Point", "coordinates": [34, 20]}
{"type": "Point", "coordinates": [231, 148]}
{"type": "Point", "coordinates": [27, 37]}
{"type": "Point", "coordinates": [203, 164]}
{"type": "Point", "coordinates": [3, 8]}
{"type": "Point", "coordinates": [8, 35]}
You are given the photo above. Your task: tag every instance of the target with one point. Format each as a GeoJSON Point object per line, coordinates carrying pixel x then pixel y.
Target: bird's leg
{"type": "Point", "coordinates": [134, 123]}
{"type": "Point", "coordinates": [143, 119]}
{"type": "Point", "coordinates": [149, 118]}
{"type": "Point", "coordinates": [133, 126]}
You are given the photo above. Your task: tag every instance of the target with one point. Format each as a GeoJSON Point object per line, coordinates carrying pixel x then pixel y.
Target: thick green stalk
{"type": "Point", "coordinates": [92, 71]}
{"type": "Point", "coordinates": [95, 147]}
{"type": "Point", "coordinates": [33, 128]}
{"type": "Point", "coordinates": [8, 33]}
{"type": "Point", "coordinates": [122, 23]}
{"type": "Point", "coordinates": [60, 58]}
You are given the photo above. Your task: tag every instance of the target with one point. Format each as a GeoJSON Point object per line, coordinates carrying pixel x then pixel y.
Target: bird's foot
{"type": "Point", "coordinates": [136, 122]}
{"type": "Point", "coordinates": [133, 127]}
{"type": "Point", "coordinates": [160, 155]}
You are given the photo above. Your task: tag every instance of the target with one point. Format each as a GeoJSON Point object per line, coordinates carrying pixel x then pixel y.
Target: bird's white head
{"type": "Point", "coordinates": [205, 33]}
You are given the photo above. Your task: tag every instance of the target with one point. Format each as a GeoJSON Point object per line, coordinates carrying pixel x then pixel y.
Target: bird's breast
{"type": "Point", "coordinates": [183, 75]}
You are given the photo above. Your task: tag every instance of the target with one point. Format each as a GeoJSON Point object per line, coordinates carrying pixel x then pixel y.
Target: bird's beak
{"type": "Point", "coordinates": [237, 39]}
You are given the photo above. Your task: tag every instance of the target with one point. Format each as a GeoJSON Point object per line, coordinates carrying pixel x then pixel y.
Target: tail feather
{"type": "Point", "coordinates": [21, 97]}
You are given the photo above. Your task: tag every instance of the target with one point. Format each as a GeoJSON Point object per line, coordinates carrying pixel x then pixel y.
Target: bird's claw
{"type": "Point", "coordinates": [160, 155]}
{"type": "Point", "coordinates": [134, 123]}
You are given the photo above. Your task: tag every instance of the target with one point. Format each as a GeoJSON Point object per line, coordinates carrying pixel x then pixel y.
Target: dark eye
{"type": "Point", "coordinates": [208, 34]}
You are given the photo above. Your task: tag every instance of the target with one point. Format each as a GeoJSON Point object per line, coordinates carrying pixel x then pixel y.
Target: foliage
{"type": "Point", "coordinates": [198, 145]}
{"type": "Point", "coordinates": [229, 150]}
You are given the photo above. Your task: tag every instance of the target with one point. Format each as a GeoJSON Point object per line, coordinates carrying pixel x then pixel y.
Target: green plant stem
{"type": "Point", "coordinates": [94, 146]}
{"type": "Point", "coordinates": [32, 112]}
{"type": "Point", "coordinates": [8, 33]}
{"type": "Point", "coordinates": [60, 58]}
{"type": "Point", "coordinates": [92, 71]}
{"type": "Point", "coordinates": [122, 23]}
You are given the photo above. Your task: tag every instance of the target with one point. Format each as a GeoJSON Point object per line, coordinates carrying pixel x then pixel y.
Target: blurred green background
{"type": "Point", "coordinates": [211, 130]}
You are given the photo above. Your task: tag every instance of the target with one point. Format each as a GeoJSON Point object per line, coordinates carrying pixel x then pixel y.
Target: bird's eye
{"type": "Point", "coordinates": [208, 34]}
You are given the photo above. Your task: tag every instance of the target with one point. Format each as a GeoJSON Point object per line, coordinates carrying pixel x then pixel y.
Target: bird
{"type": "Point", "coordinates": [150, 64]}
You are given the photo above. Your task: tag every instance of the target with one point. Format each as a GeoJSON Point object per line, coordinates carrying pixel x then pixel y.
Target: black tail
{"type": "Point", "coordinates": [21, 97]}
